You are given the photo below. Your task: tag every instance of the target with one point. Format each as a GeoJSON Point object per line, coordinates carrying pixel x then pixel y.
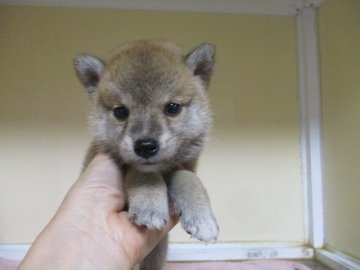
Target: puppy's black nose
{"type": "Point", "coordinates": [146, 147]}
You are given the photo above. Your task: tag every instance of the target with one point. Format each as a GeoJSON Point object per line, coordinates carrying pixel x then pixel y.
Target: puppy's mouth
{"type": "Point", "coordinates": [149, 163]}
{"type": "Point", "coordinates": [149, 166]}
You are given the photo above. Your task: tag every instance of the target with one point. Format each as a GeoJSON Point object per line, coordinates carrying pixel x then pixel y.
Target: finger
{"type": "Point", "coordinates": [156, 235]}
{"type": "Point", "coordinates": [153, 237]}
{"type": "Point", "coordinates": [139, 241]}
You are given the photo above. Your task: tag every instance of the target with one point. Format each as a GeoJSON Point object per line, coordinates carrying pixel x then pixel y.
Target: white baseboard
{"type": "Point", "coordinates": [202, 252]}
{"type": "Point", "coordinates": [237, 252]}
{"type": "Point", "coordinates": [230, 251]}
{"type": "Point", "coordinates": [13, 252]}
{"type": "Point", "coordinates": [336, 260]}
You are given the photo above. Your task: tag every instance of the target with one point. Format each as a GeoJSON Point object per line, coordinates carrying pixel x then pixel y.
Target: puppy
{"type": "Point", "coordinates": [149, 111]}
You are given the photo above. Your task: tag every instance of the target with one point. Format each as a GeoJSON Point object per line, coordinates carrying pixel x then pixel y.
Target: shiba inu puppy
{"type": "Point", "coordinates": [150, 113]}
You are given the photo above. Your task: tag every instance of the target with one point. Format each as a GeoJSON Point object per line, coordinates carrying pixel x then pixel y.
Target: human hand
{"type": "Point", "coordinates": [91, 230]}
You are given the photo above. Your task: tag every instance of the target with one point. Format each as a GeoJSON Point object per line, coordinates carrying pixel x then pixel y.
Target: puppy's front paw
{"type": "Point", "coordinates": [151, 218]}
{"type": "Point", "coordinates": [203, 227]}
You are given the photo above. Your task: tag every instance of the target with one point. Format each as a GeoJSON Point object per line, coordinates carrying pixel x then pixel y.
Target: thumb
{"type": "Point", "coordinates": [102, 168]}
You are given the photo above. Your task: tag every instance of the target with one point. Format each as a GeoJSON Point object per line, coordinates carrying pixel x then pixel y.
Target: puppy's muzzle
{"type": "Point", "coordinates": [146, 147]}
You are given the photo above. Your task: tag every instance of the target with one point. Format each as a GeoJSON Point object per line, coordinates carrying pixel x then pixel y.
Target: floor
{"type": "Point", "coordinates": [313, 265]}
{"type": "Point", "coordinates": [249, 265]}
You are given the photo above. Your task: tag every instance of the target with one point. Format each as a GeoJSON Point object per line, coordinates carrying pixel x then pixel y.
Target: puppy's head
{"type": "Point", "coordinates": [149, 103]}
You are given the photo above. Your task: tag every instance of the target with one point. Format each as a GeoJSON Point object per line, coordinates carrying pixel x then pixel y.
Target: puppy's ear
{"type": "Point", "coordinates": [89, 70]}
{"type": "Point", "coordinates": [201, 61]}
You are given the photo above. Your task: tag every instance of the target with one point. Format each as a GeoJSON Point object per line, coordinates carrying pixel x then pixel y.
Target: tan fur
{"type": "Point", "coordinates": [143, 77]}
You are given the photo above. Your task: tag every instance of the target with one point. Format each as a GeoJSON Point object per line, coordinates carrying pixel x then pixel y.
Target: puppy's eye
{"type": "Point", "coordinates": [121, 113]}
{"type": "Point", "coordinates": [173, 109]}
